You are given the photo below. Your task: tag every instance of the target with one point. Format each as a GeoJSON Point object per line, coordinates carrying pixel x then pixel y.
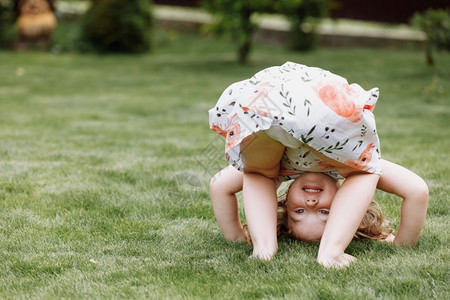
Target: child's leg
{"type": "Point", "coordinates": [261, 156]}
{"type": "Point", "coordinates": [223, 188]}
{"type": "Point", "coordinates": [261, 212]}
{"type": "Point", "coordinates": [347, 210]}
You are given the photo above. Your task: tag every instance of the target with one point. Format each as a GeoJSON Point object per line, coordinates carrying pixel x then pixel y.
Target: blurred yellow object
{"type": "Point", "coordinates": [36, 22]}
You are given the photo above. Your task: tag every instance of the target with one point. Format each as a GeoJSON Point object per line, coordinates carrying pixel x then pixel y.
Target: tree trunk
{"type": "Point", "coordinates": [244, 51]}
{"type": "Point", "coordinates": [245, 44]}
{"type": "Point", "coordinates": [429, 54]}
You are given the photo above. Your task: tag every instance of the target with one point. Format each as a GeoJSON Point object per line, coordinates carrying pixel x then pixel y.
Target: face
{"type": "Point", "coordinates": [308, 204]}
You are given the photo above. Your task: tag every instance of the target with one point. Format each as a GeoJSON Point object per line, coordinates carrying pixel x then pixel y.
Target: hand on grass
{"type": "Point", "coordinates": [390, 239]}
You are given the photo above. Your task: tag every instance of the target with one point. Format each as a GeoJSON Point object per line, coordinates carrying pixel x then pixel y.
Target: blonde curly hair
{"type": "Point", "coordinates": [373, 226]}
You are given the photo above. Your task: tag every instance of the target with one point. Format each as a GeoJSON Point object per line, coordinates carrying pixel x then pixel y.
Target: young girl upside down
{"type": "Point", "coordinates": [307, 124]}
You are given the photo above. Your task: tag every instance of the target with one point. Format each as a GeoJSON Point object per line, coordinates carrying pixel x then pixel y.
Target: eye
{"type": "Point", "coordinates": [324, 211]}
{"type": "Point", "coordinates": [300, 210]}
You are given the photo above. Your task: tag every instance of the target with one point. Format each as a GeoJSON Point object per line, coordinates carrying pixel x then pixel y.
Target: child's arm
{"type": "Point", "coordinates": [223, 188]}
{"type": "Point", "coordinates": [347, 210]}
{"type": "Point", "coordinates": [414, 191]}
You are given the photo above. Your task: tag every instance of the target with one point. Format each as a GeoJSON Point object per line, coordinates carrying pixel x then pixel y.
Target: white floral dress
{"type": "Point", "coordinates": [303, 108]}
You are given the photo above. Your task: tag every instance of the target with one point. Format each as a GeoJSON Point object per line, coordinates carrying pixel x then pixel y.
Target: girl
{"type": "Point", "coordinates": [293, 119]}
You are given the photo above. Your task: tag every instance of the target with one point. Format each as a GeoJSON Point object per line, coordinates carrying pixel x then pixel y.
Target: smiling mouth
{"type": "Point", "coordinates": [312, 189]}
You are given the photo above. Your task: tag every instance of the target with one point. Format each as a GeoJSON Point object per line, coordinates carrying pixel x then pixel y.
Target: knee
{"type": "Point", "coordinates": [419, 191]}
{"type": "Point", "coordinates": [214, 183]}
{"type": "Point", "coordinates": [271, 173]}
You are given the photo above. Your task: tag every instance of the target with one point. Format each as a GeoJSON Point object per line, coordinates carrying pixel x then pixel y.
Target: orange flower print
{"type": "Point", "coordinates": [259, 111]}
{"type": "Point", "coordinates": [324, 166]}
{"type": "Point", "coordinates": [363, 160]}
{"type": "Point", "coordinates": [233, 133]}
{"type": "Point", "coordinates": [219, 130]}
{"type": "Point", "coordinates": [369, 107]}
{"type": "Point", "coordinates": [340, 98]}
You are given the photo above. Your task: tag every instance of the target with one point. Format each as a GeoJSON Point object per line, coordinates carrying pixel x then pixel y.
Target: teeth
{"type": "Point", "coordinates": [312, 190]}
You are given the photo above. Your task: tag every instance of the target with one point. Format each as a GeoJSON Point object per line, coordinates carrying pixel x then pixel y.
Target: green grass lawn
{"type": "Point", "coordinates": [105, 163]}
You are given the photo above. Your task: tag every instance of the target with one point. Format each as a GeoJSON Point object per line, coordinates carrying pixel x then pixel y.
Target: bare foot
{"type": "Point", "coordinates": [237, 237]}
{"type": "Point", "coordinates": [341, 261]}
{"type": "Point", "coordinates": [263, 255]}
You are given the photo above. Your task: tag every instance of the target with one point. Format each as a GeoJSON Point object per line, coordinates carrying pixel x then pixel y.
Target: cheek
{"type": "Point", "coordinates": [309, 230]}
{"type": "Point", "coordinates": [329, 199]}
{"type": "Point", "coordinates": [295, 196]}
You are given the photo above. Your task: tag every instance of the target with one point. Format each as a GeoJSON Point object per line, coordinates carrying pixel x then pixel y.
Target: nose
{"type": "Point", "coordinates": [311, 202]}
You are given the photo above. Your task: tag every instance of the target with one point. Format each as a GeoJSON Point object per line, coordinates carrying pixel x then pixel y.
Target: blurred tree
{"type": "Point", "coordinates": [118, 26]}
{"type": "Point", "coordinates": [304, 17]}
{"type": "Point", "coordinates": [7, 18]}
{"type": "Point", "coordinates": [436, 25]}
{"type": "Point", "coordinates": [234, 20]}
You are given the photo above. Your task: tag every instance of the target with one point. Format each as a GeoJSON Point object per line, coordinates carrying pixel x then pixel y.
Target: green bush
{"type": "Point", "coordinates": [117, 26]}
{"type": "Point", "coordinates": [7, 18]}
{"type": "Point", "coordinates": [436, 25]}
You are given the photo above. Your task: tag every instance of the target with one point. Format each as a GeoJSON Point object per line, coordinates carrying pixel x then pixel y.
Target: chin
{"type": "Point", "coordinates": [307, 238]}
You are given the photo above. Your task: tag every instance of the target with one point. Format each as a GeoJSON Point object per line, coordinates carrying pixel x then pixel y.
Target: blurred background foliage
{"type": "Point", "coordinates": [117, 26]}
{"type": "Point", "coordinates": [436, 25]}
{"type": "Point", "coordinates": [7, 19]}
{"type": "Point", "coordinates": [234, 19]}
{"type": "Point", "coordinates": [304, 17]}
{"type": "Point", "coordinates": [129, 26]}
